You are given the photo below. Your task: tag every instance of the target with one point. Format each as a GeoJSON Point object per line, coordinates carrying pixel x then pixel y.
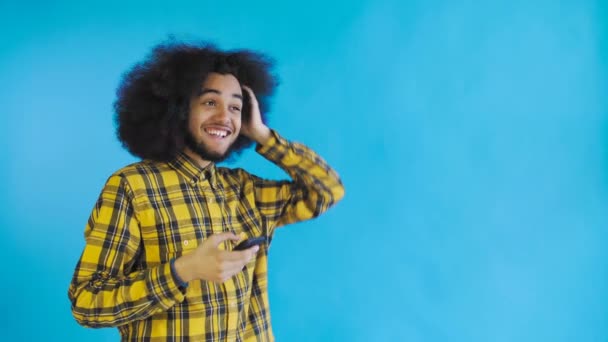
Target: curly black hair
{"type": "Point", "coordinates": [153, 98]}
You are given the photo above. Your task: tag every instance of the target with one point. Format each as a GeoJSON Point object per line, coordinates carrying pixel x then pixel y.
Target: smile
{"type": "Point", "coordinates": [222, 133]}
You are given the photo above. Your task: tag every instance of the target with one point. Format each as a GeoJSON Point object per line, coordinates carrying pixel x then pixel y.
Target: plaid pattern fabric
{"type": "Point", "coordinates": [150, 212]}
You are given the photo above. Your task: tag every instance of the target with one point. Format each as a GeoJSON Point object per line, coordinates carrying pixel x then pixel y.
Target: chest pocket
{"type": "Point", "coordinates": [181, 241]}
{"type": "Point", "coordinates": [165, 242]}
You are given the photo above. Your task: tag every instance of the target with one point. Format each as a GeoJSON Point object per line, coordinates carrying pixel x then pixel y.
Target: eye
{"type": "Point", "coordinates": [210, 103]}
{"type": "Point", "coordinates": [235, 108]}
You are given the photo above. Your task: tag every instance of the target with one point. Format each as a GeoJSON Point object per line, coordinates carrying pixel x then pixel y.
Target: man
{"type": "Point", "coordinates": [158, 261]}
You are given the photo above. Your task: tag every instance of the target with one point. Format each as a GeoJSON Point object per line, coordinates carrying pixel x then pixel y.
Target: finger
{"type": "Point", "coordinates": [228, 269]}
{"type": "Point", "coordinates": [216, 239]}
{"type": "Point", "coordinates": [244, 255]}
{"type": "Point", "coordinates": [254, 250]}
{"type": "Point", "coordinates": [231, 266]}
{"type": "Point", "coordinates": [254, 100]}
{"type": "Point", "coordinates": [227, 274]}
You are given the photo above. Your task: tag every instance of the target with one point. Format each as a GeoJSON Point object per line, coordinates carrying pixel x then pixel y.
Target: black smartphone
{"type": "Point", "coordinates": [250, 243]}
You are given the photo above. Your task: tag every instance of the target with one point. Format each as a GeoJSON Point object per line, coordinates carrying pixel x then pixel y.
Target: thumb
{"type": "Point", "coordinates": [215, 239]}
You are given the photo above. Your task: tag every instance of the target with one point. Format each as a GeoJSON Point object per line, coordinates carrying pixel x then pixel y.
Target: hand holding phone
{"type": "Point", "coordinates": [245, 244]}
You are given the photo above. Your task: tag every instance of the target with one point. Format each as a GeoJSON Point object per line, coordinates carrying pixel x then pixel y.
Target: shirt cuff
{"type": "Point", "coordinates": [275, 149]}
{"type": "Point", "coordinates": [163, 287]}
{"type": "Point", "coordinates": [178, 280]}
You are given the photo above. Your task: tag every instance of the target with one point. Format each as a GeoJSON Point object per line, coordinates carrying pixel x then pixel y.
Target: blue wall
{"type": "Point", "coordinates": [472, 138]}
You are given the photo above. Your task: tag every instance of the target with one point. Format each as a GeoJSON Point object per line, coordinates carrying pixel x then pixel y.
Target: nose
{"type": "Point", "coordinates": [222, 114]}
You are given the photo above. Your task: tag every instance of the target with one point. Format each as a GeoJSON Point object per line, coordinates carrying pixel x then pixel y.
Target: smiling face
{"type": "Point", "coordinates": [215, 119]}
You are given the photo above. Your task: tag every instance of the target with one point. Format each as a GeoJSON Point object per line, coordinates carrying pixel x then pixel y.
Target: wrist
{"type": "Point", "coordinates": [182, 270]}
{"type": "Point", "coordinates": [262, 135]}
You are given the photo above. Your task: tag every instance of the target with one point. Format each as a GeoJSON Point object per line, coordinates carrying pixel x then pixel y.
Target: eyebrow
{"type": "Point", "coordinates": [215, 91]}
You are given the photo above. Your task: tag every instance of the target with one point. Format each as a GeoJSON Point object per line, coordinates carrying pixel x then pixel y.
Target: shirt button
{"type": "Point", "coordinates": [186, 242]}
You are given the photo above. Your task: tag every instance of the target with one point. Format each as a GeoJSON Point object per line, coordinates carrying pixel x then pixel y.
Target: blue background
{"type": "Point", "coordinates": [471, 136]}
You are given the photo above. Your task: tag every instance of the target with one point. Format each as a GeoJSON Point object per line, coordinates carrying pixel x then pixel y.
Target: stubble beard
{"type": "Point", "coordinates": [201, 149]}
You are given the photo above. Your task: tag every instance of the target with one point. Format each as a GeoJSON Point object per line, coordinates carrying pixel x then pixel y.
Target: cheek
{"type": "Point", "coordinates": [194, 120]}
{"type": "Point", "coordinates": [191, 124]}
{"type": "Point", "coordinates": [237, 124]}
{"type": "Point", "coordinates": [194, 127]}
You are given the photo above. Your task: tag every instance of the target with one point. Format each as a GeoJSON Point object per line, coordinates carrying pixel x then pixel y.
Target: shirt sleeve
{"type": "Point", "coordinates": [314, 185]}
{"type": "Point", "coordinates": [109, 287]}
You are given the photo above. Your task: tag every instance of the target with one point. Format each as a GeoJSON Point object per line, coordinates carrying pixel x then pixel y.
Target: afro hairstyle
{"type": "Point", "coordinates": [153, 97]}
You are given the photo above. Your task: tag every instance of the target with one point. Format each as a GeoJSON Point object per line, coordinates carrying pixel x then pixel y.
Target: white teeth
{"type": "Point", "coordinates": [217, 132]}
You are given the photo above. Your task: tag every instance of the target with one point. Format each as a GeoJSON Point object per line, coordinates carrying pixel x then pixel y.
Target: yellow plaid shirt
{"type": "Point", "coordinates": [151, 212]}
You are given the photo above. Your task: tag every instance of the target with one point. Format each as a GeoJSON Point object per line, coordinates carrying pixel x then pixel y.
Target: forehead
{"type": "Point", "coordinates": [224, 83]}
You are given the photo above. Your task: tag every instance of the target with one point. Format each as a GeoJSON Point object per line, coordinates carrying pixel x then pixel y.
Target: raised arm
{"type": "Point", "coordinates": [315, 186]}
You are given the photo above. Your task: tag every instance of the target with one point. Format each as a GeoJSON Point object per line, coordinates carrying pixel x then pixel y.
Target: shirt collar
{"type": "Point", "coordinates": [192, 171]}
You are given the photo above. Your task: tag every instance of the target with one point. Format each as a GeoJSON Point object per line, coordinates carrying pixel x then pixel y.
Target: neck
{"type": "Point", "coordinates": [199, 161]}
